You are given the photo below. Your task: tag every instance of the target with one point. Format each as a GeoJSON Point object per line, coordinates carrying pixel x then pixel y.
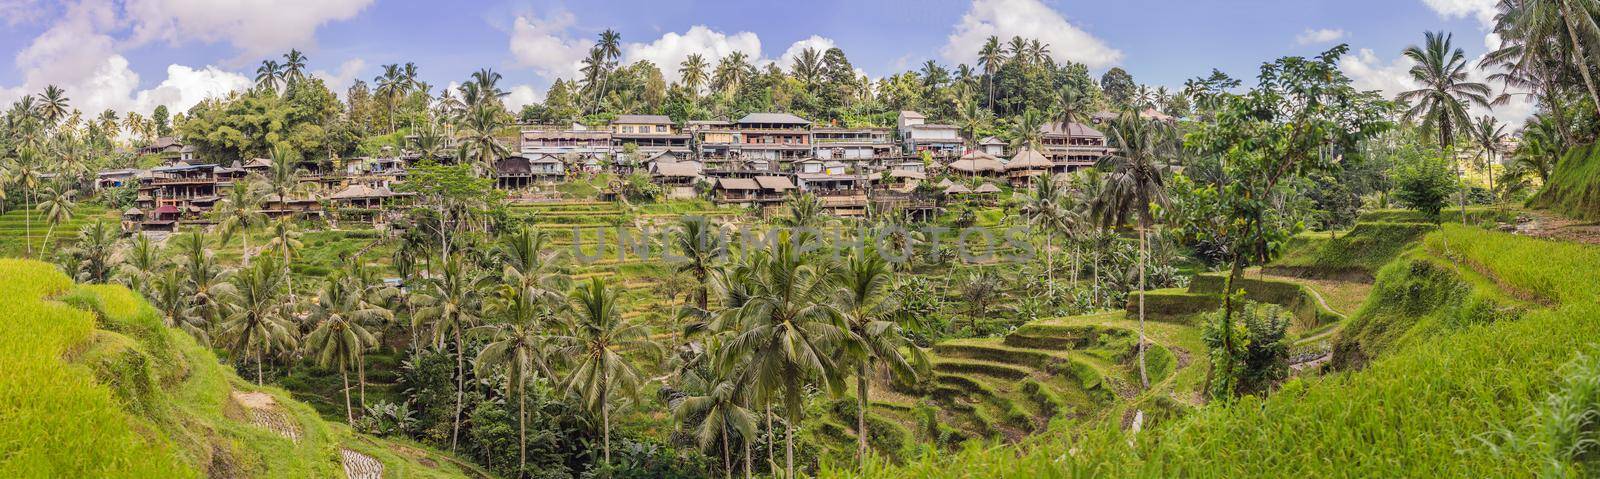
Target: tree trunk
{"type": "Point", "coordinates": [522, 427]}
{"type": "Point", "coordinates": [788, 445]}
{"type": "Point", "coordinates": [727, 461]}
{"type": "Point", "coordinates": [772, 461]}
{"type": "Point", "coordinates": [747, 454]}
{"type": "Point", "coordinates": [605, 421]}
{"type": "Point", "coordinates": [1075, 266]}
{"type": "Point", "coordinates": [349, 417]}
{"type": "Point", "coordinates": [246, 257]}
{"type": "Point", "coordinates": [45, 246]}
{"type": "Point", "coordinates": [261, 354]}
{"type": "Point", "coordinates": [1582, 60]}
{"type": "Point", "coordinates": [862, 402]}
{"type": "Point", "coordinates": [461, 379]}
{"type": "Point", "coordinates": [27, 221]}
{"type": "Point", "coordinates": [361, 377]}
{"type": "Point", "coordinates": [1144, 253]}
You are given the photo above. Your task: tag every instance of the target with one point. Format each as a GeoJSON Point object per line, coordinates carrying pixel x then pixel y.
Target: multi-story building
{"type": "Point", "coordinates": [651, 134]}
{"type": "Point", "coordinates": [938, 140]}
{"type": "Point", "coordinates": [583, 146]}
{"type": "Point", "coordinates": [1073, 146]}
{"type": "Point", "coordinates": [773, 138]}
{"type": "Point", "coordinates": [850, 144]}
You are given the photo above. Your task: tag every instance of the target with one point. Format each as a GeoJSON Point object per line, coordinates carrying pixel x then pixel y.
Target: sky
{"type": "Point", "coordinates": [137, 54]}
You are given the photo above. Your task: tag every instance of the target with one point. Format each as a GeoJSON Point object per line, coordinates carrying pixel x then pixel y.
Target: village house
{"type": "Point", "coordinates": [917, 136]}
{"type": "Point", "coordinates": [993, 146]}
{"type": "Point", "coordinates": [1073, 146]}
{"type": "Point", "coordinates": [170, 149]}
{"type": "Point", "coordinates": [851, 144]}
{"type": "Point", "coordinates": [649, 134]}
{"type": "Point", "coordinates": [774, 138]}
{"type": "Point", "coordinates": [581, 145]}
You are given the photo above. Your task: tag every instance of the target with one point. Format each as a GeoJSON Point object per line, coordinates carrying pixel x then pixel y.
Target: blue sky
{"type": "Point", "coordinates": [133, 54]}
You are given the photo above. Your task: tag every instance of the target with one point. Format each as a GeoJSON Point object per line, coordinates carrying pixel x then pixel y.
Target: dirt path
{"type": "Point", "coordinates": [1544, 224]}
{"type": "Point", "coordinates": [360, 466]}
{"type": "Point", "coordinates": [264, 411]}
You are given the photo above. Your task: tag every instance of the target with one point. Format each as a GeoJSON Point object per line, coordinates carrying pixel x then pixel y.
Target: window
{"type": "Point", "coordinates": [661, 128]}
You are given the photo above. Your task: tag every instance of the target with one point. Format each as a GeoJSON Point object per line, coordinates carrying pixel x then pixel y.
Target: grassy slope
{"type": "Point", "coordinates": [1574, 188]}
{"type": "Point", "coordinates": [1463, 402]}
{"type": "Point", "coordinates": [106, 391]}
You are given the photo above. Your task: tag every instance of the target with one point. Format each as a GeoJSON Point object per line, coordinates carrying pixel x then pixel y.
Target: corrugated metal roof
{"type": "Point", "coordinates": [779, 118]}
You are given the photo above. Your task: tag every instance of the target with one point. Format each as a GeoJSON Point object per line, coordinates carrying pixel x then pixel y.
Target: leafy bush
{"type": "Point", "coordinates": [1256, 353]}
{"type": "Point", "coordinates": [1425, 185]}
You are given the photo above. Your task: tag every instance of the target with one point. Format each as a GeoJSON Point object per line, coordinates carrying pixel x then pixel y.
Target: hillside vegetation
{"type": "Point", "coordinates": [93, 385]}
{"type": "Point", "coordinates": [1470, 336]}
{"type": "Point", "coordinates": [1574, 186]}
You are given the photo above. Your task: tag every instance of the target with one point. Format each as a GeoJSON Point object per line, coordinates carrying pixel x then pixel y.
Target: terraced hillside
{"type": "Point", "coordinates": [15, 228]}
{"type": "Point", "coordinates": [93, 385]}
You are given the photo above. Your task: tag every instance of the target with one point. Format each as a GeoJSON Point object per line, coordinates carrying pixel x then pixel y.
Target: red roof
{"type": "Point", "coordinates": [165, 209]}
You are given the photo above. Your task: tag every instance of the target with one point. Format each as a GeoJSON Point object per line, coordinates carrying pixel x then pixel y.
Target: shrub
{"type": "Point", "coordinates": [1259, 353]}
{"type": "Point", "coordinates": [1425, 185]}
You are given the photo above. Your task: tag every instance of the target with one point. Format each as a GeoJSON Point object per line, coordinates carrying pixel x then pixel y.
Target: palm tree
{"type": "Point", "coordinates": [863, 301]}
{"type": "Point", "coordinates": [285, 242]}
{"type": "Point", "coordinates": [1133, 187]}
{"type": "Point", "coordinates": [529, 267]}
{"type": "Point", "coordinates": [255, 317]}
{"type": "Point", "coordinates": [391, 85]}
{"type": "Point", "coordinates": [1027, 131]}
{"type": "Point", "coordinates": [240, 212]}
{"type": "Point", "coordinates": [478, 141]}
{"type": "Point", "coordinates": [24, 173]}
{"type": "Point", "coordinates": [341, 337]}
{"type": "Point", "coordinates": [971, 117]}
{"type": "Point", "coordinates": [789, 332]}
{"type": "Point", "coordinates": [93, 252]}
{"type": "Point", "coordinates": [1541, 147]}
{"type": "Point", "coordinates": [53, 105]}
{"type": "Point", "coordinates": [990, 56]}
{"type": "Point", "coordinates": [732, 72]}
{"type": "Point", "coordinates": [1442, 101]}
{"type": "Point", "coordinates": [1044, 209]}
{"type": "Point", "coordinates": [57, 207]}
{"type": "Point", "coordinates": [140, 259]}
{"type": "Point", "coordinates": [203, 282]}
{"type": "Point", "coordinates": [283, 178]}
{"type": "Point", "coordinates": [599, 337]}
{"type": "Point", "coordinates": [519, 346]}
{"type": "Point", "coordinates": [807, 67]}
{"type": "Point", "coordinates": [724, 413]}
{"type": "Point", "coordinates": [451, 303]}
{"type": "Point", "coordinates": [609, 49]}
{"type": "Point", "coordinates": [981, 289]}
{"type": "Point", "coordinates": [700, 245]}
{"type": "Point", "coordinates": [1071, 106]}
{"type": "Point", "coordinates": [692, 72]}
{"type": "Point", "coordinates": [1488, 134]}
{"type": "Point", "coordinates": [294, 65]}
{"type": "Point", "coordinates": [268, 75]}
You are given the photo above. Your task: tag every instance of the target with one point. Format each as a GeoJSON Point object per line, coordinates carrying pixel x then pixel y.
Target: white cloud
{"type": "Point", "coordinates": [1029, 19]}
{"type": "Point", "coordinates": [185, 86]}
{"type": "Point", "coordinates": [522, 95]}
{"type": "Point", "coordinates": [672, 48]}
{"type": "Point", "coordinates": [818, 43]}
{"type": "Point", "coordinates": [257, 28]}
{"type": "Point", "coordinates": [20, 11]}
{"type": "Point", "coordinates": [544, 45]}
{"type": "Point", "coordinates": [1369, 72]}
{"type": "Point", "coordinates": [1483, 10]}
{"type": "Point", "coordinates": [75, 54]}
{"type": "Point", "coordinates": [1321, 35]}
{"type": "Point", "coordinates": [340, 80]}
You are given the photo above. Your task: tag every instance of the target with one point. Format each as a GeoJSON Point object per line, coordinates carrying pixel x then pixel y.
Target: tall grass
{"type": "Point", "coordinates": [55, 419]}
